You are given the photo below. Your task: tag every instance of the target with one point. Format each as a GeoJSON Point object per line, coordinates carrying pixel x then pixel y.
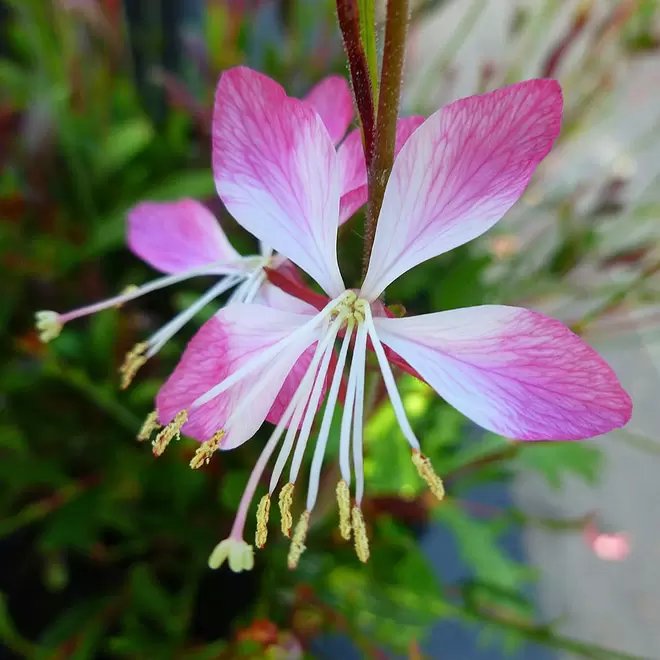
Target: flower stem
{"type": "Point", "coordinates": [349, 24]}
{"type": "Point", "coordinates": [380, 165]}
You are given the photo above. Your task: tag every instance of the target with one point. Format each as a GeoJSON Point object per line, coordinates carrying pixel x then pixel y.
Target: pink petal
{"type": "Point", "coordinates": [233, 336]}
{"type": "Point", "coordinates": [332, 100]}
{"type": "Point", "coordinates": [176, 236]}
{"type": "Point", "coordinates": [276, 171]}
{"type": "Point", "coordinates": [353, 168]}
{"type": "Point", "coordinates": [515, 372]}
{"type": "Point", "coordinates": [460, 172]}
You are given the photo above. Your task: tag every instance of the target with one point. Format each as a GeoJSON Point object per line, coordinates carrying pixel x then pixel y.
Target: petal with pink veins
{"type": "Point", "coordinates": [459, 173]}
{"type": "Point", "coordinates": [275, 169]}
{"type": "Point", "coordinates": [353, 168]}
{"type": "Point", "coordinates": [332, 100]}
{"type": "Point", "coordinates": [225, 343]}
{"type": "Point", "coordinates": [513, 371]}
{"type": "Point", "coordinates": [176, 236]}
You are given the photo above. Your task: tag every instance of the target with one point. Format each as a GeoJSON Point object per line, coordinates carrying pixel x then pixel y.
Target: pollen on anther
{"type": "Point", "coordinates": [360, 535]}
{"type": "Point", "coordinates": [298, 541]}
{"type": "Point", "coordinates": [150, 425]}
{"type": "Point", "coordinates": [426, 472]}
{"type": "Point", "coordinates": [285, 502]}
{"type": "Point", "coordinates": [344, 504]}
{"type": "Point", "coordinates": [169, 433]}
{"type": "Point", "coordinates": [206, 450]}
{"type": "Point", "coordinates": [263, 512]}
{"type": "Point", "coordinates": [133, 361]}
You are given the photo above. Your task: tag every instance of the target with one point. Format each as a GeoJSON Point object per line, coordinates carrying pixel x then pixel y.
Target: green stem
{"type": "Point", "coordinates": [368, 34]}
{"type": "Point", "coordinates": [380, 166]}
{"type": "Point", "coordinates": [349, 24]}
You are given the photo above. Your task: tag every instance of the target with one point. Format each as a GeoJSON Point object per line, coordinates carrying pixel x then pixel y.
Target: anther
{"type": "Point", "coordinates": [150, 425]}
{"type": "Point", "coordinates": [206, 450]}
{"type": "Point", "coordinates": [360, 535]}
{"type": "Point", "coordinates": [169, 433]}
{"type": "Point", "coordinates": [134, 359]}
{"type": "Point", "coordinates": [263, 511]}
{"type": "Point", "coordinates": [285, 502]}
{"type": "Point", "coordinates": [298, 541]}
{"type": "Point", "coordinates": [426, 472]}
{"type": "Point", "coordinates": [344, 504]}
{"type": "Point", "coordinates": [49, 325]}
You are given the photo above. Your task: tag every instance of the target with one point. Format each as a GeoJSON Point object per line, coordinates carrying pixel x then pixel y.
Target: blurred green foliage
{"type": "Point", "coordinates": [103, 548]}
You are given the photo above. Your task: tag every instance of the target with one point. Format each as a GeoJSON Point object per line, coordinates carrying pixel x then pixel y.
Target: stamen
{"type": "Point", "coordinates": [134, 359]}
{"type": "Point", "coordinates": [150, 425]}
{"type": "Point", "coordinates": [298, 542]}
{"type": "Point", "coordinates": [285, 502]}
{"type": "Point", "coordinates": [360, 535]}
{"type": "Point", "coordinates": [162, 336]}
{"type": "Point", "coordinates": [263, 512]}
{"type": "Point", "coordinates": [313, 403]}
{"type": "Point", "coordinates": [169, 433]}
{"type": "Point", "coordinates": [344, 504]}
{"type": "Point", "coordinates": [206, 450]}
{"type": "Point", "coordinates": [390, 383]}
{"type": "Point", "coordinates": [360, 360]}
{"type": "Point", "coordinates": [267, 356]}
{"type": "Point", "coordinates": [299, 403]}
{"type": "Point", "coordinates": [328, 413]}
{"type": "Point", "coordinates": [49, 324]}
{"type": "Point", "coordinates": [426, 472]}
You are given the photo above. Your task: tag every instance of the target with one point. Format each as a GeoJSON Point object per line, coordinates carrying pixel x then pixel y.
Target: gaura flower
{"type": "Point", "coordinates": [184, 240]}
{"type": "Point", "coordinates": [512, 371]}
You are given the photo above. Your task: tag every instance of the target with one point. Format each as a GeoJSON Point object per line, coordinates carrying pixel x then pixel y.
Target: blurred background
{"type": "Point", "coordinates": [539, 552]}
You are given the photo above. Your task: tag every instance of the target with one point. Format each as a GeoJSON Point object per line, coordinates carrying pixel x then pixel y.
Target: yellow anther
{"type": "Point", "coordinates": [48, 324]}
{"type": "Point", "coordinates": [344, 503]}
{"type": "Point", "coordinates": [298, 541]}
{"type": "Point", "coordinates": [206, 450]}
{"type": "Point", "coordinates": [124, 292]}
{"type": "Point", "coordinates": [263, 511]}
{"type": "Point", "coordinates": [169, 433]}
{"type": "Point", "coordinates": [150, 425]}
{"type": "Point", "coordinates": [286, 500]}
{"type": "Point", "coordinates": [236, 552]}
{"type": "Point", "coordinates": [360, 535]}
{"type": "Point", "coordinates": [427, 473]}
{"type": "Point", "coordinates": [132, 362]}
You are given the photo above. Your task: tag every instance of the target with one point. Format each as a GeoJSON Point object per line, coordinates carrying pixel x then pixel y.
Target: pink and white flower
{"type": "Point", "coordinates": [183, 239]}
{"type": "Point", "coordinates": [512, 371]}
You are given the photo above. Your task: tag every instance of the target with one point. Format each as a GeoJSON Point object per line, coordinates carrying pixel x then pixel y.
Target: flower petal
{"type": "Point", "coordinates": [227, 341]}
{"type": "Point", "coordinates": [332, 100]}
{"type": "Point", "coordinates": [353, 168]}
{"type": "Point", "coordinates": [512, 371]}
{"type": "Point", "coordinates": [176, 236]}
{"type": "Point", "coordinates": [460, 172]}
{"type": "Point", "coordinates": [276, 171]}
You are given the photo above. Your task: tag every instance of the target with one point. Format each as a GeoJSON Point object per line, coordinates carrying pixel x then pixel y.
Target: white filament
{"type": "Point", "coordinates": [390, 383]}
{"type": "Point", "coordinates": [347, 419]}
{"type": "Point", "coordinates": [324, 432]}
{"type": "Point", "coordinates": [160, 338]}
{"type": "Point", "coordinates": [360, 358]}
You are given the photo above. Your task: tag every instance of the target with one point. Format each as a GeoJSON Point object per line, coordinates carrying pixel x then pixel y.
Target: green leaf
{"type": "Point", "coordinates": [478, 545]}
{"type": "Point", "coordinates": [552, 459]}
{"type": "Point", "coordinates": [367, 13]}
{"type": "Point", "coordinates": [122, 144]}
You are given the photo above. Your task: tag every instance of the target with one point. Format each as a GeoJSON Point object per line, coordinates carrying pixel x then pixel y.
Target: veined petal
{"type": "Point", "coordinates": [332, 100]}
{"type": "Point", "coordinates": [176, 236]}
{"type": "Point", "coordinates": [459, 173]}
{"type": "Point", "coordinates": [275, 169]}
{"type": "Point", "coordinates": [512, 371]}
{"type": "Point", "coordinates": [353, 168]}
{"type": "Point", "coordinates": [235, 335]}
